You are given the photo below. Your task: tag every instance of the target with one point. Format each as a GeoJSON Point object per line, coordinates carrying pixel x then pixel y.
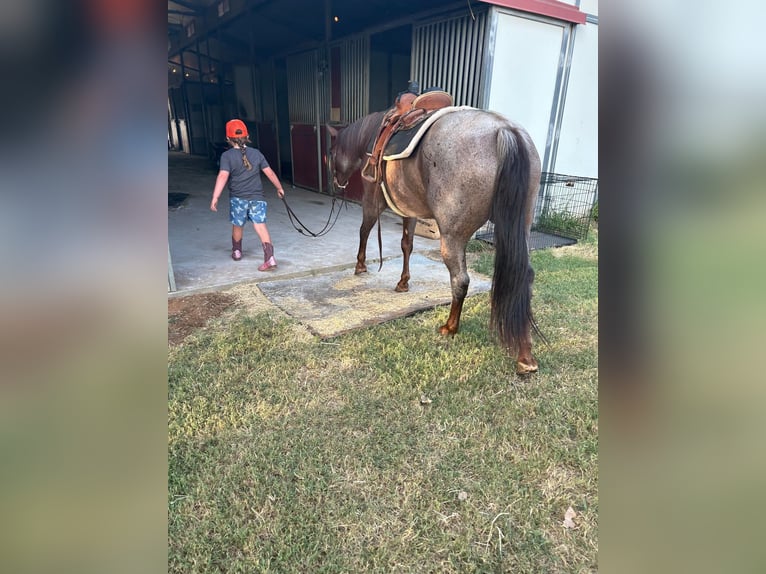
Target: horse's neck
{"type": "Point", "coordinates": [370, 128]}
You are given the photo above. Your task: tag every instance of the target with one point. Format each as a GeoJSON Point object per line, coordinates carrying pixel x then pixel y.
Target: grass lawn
{"type": "Point", "coordinates": [391, 448]}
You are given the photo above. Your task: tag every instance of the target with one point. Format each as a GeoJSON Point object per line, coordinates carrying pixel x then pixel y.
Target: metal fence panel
{"type": "Point", "coordinates": [563, 214]}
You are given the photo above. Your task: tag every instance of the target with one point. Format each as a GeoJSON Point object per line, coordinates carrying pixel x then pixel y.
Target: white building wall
{"type": "Point", "coordinates": [544, 75]}
{"type": "Point", "coordinates": [525, 66]}
{"type": "Point", "coordinates": [589, 7]}
{"type": "Point", "coordinates": [578, 138]}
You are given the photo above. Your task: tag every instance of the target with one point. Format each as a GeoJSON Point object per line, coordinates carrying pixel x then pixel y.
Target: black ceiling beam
{"type": "Point", "coordinates": [193, 7]}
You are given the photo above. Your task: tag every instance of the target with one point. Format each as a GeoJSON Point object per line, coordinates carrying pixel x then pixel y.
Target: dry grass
{"type": "Point", "coordinates": [289, 454]}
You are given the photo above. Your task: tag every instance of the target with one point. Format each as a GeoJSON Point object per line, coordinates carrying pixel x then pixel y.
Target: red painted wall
{"type": "Point", "coordinates": [305, 156]}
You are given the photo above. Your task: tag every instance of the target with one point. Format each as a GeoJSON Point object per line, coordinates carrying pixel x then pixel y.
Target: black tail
{"type": "Point", "coordinates": [512, 283]}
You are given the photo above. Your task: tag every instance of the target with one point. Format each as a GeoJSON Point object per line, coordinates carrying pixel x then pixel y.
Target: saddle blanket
{"type": "Point", "coordinates": [403, 143]}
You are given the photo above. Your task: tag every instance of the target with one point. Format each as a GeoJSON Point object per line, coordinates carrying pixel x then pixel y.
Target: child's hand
{"type": "Point", "coordinates": [214, 205]}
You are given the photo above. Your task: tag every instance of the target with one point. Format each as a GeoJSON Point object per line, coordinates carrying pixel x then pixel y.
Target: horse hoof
{"type": "Point", "coordinates": [402, 288]}
{"type": "Point", "coordinates": [360, 270]}
{"type": "Point", "coordinates": [445, 330]}
{"type": "Point", "coordinates": [524, 368]}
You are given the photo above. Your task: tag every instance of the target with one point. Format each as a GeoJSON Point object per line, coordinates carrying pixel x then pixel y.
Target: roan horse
{"type": "Point", "coordinates": [471, 166]}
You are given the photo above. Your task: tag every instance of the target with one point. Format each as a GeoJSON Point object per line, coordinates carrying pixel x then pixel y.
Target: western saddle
{"type": "Point", "coordinates": [410, 109]}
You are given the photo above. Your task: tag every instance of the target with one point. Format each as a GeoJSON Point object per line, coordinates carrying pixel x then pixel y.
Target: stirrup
{"type": "Point", "coordinates": [367, 168]}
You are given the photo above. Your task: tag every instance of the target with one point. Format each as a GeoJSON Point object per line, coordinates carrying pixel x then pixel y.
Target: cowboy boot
{"type": "Point", "coordinates": [268, 258]}
{"type": "Point", "coordinates": [236, 249]}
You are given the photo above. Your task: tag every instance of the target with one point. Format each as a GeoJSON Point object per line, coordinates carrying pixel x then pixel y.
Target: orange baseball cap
{"type": "Point", "coordinates": [236, 129]}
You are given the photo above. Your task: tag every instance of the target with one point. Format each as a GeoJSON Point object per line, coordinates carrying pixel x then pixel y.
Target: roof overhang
{"type": "Point", "coordinates": [551, 8]}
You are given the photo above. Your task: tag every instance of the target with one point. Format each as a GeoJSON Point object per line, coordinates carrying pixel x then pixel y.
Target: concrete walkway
{"type": "Point", "coordinates": [200, 240]}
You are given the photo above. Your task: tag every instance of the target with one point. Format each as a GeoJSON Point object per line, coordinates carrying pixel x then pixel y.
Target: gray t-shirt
{"type": "Point", "coordinates": [244, 183]}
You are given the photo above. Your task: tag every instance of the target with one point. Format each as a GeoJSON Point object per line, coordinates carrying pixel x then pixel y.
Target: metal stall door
{"type": "Point", "coordinates": [350, 89]}
{"type": "Point", "coordinates": [308, 104]}
{"type": "Point", "coordinates": [264, 93]}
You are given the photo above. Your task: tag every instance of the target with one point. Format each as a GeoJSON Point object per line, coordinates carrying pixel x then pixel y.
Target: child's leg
{"type": "Point", "coordinates": [268, 249]}
{"type": "Point", "coordinates": [263, 232]}
{"type": "Point", "coordinates": [237, 218]}
{"type": "Point", "coordinates": [258, 217]}
{"type": "Point", "coordinates": [236, 242]}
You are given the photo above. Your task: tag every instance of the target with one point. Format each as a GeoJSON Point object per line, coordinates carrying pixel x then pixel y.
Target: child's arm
{"type": "Point", "coordinates": [220, 183]}
{"type": "Point", "coordinates": [275, 180]}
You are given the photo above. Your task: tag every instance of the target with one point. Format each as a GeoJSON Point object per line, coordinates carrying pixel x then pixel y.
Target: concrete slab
{"type": "Point", "coordinates": [200, 240]}
{"type": "Point", "coordinates": [333, 303]}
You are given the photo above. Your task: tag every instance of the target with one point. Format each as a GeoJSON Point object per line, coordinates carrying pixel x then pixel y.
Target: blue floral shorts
{"type": "Point", "coordinates": [240, 210]}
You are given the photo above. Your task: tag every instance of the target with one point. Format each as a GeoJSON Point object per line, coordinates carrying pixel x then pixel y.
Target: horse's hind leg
{"type": "Point", "coordinates": [408, 232]}
{"type": "Point", "coordinates": [453, 254]}
{"type": "Point", "coordinates": [526, 362]}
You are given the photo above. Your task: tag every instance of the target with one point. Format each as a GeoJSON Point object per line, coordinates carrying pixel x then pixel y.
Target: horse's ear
{"type": "Point", "coordinates": [332, 131]}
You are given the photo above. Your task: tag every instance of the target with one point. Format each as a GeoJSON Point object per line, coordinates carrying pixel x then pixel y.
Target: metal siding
{"type": "Point", "coordinates": [441, 56]}
{"type": "Point", "coordinates": [301, 88]}
{"type": "Point", "coordinates": [470, 47]}
{"type": "Point", "coordinates": [460, 94]}
{"type": "Point", "coordinates": [449, 54]}
{"type": "Point", "coordinates": [480, 70]}
{"type": "Point", "coordinates": [451, 51]}
{"type": "Point", "coordinates": [355, 58]}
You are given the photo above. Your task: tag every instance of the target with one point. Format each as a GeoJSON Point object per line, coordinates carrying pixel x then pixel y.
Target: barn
{"type": "Point", "coordinates": [291, 67]}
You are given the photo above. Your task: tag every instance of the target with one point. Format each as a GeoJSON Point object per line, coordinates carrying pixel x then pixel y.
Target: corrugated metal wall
{"type": "Point", "coordinates": [450, 54]}
{"type": "Point", "coordinates": [355, 81]}
{"type": "Point", "coordinates": [303, 72]}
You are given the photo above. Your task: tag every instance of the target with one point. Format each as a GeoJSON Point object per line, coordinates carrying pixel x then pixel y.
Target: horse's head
{"type": "Point", "coordinates": [341, 164]}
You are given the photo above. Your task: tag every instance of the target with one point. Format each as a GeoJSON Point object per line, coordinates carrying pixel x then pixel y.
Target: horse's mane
{"type": "Point", "coordinates": [354, 138]}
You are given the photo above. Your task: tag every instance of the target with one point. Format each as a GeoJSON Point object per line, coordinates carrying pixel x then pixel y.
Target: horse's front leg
{"type": "Point", "coordinates": [372, 207]}
{"type": "Point", "coordinates": [453, 254]}
{"type": "Point", "coordinates": [408, 233]}
{"type": "Point", "coordinates": [368, 221]}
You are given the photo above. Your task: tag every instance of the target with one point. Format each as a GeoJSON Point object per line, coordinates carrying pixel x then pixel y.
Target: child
{"type": "Point", "coordinates": [244, 164]}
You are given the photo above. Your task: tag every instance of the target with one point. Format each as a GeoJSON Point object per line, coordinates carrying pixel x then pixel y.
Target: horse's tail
{"type": "Point", "coordinates": [511, 313]}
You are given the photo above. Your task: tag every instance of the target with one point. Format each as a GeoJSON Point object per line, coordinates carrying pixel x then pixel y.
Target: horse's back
{"type": "Point", "coordinates": [460, 158]}
{"type": "Point", "coordinates": [470, 137]}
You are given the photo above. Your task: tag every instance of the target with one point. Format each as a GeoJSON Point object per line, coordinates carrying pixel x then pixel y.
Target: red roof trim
{"type": "Point", "coordinates": [552, 8]}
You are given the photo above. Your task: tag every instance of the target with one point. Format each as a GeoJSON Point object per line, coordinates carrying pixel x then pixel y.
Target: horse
{"type": "Point", "coordinates": [471, 166]}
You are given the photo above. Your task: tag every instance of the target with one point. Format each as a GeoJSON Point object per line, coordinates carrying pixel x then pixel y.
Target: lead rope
{"type": "Point", "coordinates": [303, 230]}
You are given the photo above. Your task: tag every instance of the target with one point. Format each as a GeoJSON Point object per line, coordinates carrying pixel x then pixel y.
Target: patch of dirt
{"type": "Point", "coordinates": [187, 314]}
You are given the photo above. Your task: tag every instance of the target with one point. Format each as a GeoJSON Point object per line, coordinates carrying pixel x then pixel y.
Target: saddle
{"type": "Point", "coordinates": [409, 111]}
